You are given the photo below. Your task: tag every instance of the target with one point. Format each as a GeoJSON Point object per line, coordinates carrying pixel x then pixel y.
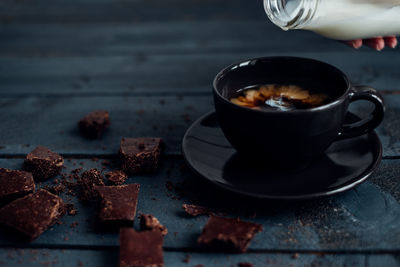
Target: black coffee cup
{"type": "Point", "coordinates": [300, 134]}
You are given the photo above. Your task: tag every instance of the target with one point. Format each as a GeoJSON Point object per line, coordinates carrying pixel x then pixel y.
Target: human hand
{"type": "Point", "coordinates": [377, 43]}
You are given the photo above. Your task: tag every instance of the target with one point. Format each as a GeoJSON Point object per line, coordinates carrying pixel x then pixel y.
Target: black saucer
{"type": "Point", "coordinates": [346, 164]}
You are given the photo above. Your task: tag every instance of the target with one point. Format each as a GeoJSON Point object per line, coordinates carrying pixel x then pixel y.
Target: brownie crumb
{"type": "Point", "coordinates": [245, 264]}
{"type": "Point", "coordinates": [140, 248]}
{"type": "Point", "coordinates": [89, 179]}
{"type": "Point", "coordinates": [43, 163]}
{"type": "Point", "coordinates": [71, 210]}
{"type": "Point", "coordinates": [33, 214]}
{"type": "Point", "coordinates": [116, 177]}
{"type": "Point", "coordinates": [149, 222]}
{"type": "Point", "coordinates": [57, 189]}
{"type": "Point", "coordinates": [195, 210]}
{"type": "Point", "coordinates": [140, 154]}
{"type": "Point", "coordinates": [228, 234]}
{"type": "Point", "coordinates": [187, 258]}
{"type": "Point", "coordinates": [94, 123]}
{"type": "Point", "coordinates": [295, 256]}
{"type": "Point", "coordinates": [14, 184]}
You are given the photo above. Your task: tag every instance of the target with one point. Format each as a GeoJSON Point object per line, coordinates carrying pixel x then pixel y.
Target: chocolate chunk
{"type": "Point", "coordinates": [140, 154]}
{"type": "Point", "coordinates": [195, 210]}
{"type": "Point", "coordinates": [118, 204]}
{"type": "Point", "coordinates": [94, 123]}
{"type": "Point", "coordinates": [14, 184]}
{"type": "Point", "coordinates": [142, 249]}
{"type": "Point", "coordinates": [89, 179]}
{"type": "Point", "coordinates": [116, 177]}
{"type": "Point", "coordinates": [33, 214]}
{"type": "Point", "coordinates": [228, 234]}
{"type": "Point", "coordinates": [43, 163]}
{"type": "Point", "coordinates": [149, 222]}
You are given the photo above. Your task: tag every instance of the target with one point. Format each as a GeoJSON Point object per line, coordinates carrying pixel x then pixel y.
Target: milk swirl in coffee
{"type": "Point", "coordinates": [278, 97]}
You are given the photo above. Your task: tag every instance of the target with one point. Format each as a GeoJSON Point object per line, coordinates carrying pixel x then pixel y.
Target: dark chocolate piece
{"type": "Point", "coordinates": [14, 184]}
{"type": "Point", "coordinates": [140, 249]}
{"type": "Point", "coordinates": [94, 123]}
{"type": "Point", "coordinates": [228, 234]}
{"type": "Point", "coordinates": [89, 179]}
{"type": "Point", "coordinates": [43, 163]}
{"type": "Point", "coordinates": [33, 214]}
{"type": "Point", "coordinates": [195, 210]}
{"type": "Point", "coordinates": [118, 204]}
{"type": "Point", "coordinates": [116, 177]}
{"type": "Point", "coordinates": [149, 222]}
{"type": "Point", "coordinates": [140, 154]}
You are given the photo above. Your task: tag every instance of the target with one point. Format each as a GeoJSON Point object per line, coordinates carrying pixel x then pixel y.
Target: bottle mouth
{"type": "Point", "coordinates": [290, 14]}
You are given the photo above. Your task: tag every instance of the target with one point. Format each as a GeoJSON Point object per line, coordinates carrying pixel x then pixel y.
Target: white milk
{"type": "Point", "coordinates": [354, 19]}
{"type": "Point", "coordinates": [339, 19]}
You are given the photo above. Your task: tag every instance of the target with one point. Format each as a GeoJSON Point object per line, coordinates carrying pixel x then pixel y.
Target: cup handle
{"type": "Point", "coordinates": [372, 121]}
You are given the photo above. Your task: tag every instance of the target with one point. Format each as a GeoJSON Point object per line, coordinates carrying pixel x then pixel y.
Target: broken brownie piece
{"type": "Point", "coordinates": [116, 177]}
{"type": "Point", "coordinates": [94, 123]}
{"type": "Point", "coordinates": [33, 214]}
{"type": "Point", "coordinates": [14, 184]}
{"type": "Point", "coordinates": [228, 234]}
{"type": "Point", "coordinates": [43, 163]}
{"type": "Point", "coordinates": [118, 204]}
{"type": "Point", "coordinates": [149, 222]}
{"type": "Point", "coordinates": [140, 154]}
{"type": "Point", "coordinates": [140, 249]}
{"type": "Point", "coordinates": [195, 210]}
{"type": "Point", "coordinates": [89, 179]}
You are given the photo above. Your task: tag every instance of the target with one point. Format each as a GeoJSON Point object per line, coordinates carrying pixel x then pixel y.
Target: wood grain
{"type": "Point", "coordinates": [52, 121]}
{"type": "Point", "coordinates": [365, 219]}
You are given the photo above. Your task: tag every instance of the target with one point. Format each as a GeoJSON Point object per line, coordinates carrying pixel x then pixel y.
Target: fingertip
{"type": "Point", "coordinates": [391, 41]}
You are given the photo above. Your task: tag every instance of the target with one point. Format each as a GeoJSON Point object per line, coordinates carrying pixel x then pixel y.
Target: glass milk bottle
{"type": "Point", "coordinates": [337, 19]}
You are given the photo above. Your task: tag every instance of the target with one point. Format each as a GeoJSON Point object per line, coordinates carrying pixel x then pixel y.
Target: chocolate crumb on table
{"type": "Point", "coordinates": [71, 210]}
{"type": "Point", "coordinates": [140, 154]}
{"type": "Point", "coordinates": [118, 204]}
{"type": "Point", "coordinates": [94, 123]}
{"type": "Point", "coordinates": [33, 214]}
{"type": "Point", "coordinates": [88, 180]}
{"type": "Point", "coordinates": [245, 264]}
{"type": "Point", "coordinates": [149, 222]}
{"type": "Point", "coordinates": [14, 184]}
{"type": "Point", "coordinates": [142, 249]}
{"type": "Point", "coordinates": [43, 163]}
{"type": "Point", "coordinates": [195, 210]}
{"type": "Point", "coordinates": [187, 258]}
{"type": "Point", "coordinates": [228, 234]}
{"type": "Point", "coordinates": [116, 177]}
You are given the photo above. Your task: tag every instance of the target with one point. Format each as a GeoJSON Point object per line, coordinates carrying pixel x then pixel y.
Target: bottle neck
{"type": "Point", "coordinates": [291, 14]}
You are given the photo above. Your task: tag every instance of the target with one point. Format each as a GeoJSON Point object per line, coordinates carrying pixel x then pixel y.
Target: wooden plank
{"type": "Point", "coordinates": [45, 11]}
{"type": "Point", "coordinates": [365, 219]}
{"type": "Point", "coordinates": [95, 258]}
{"type": "Point", "coordinates": [172, 37]}
{"type": "Point", "coordinates": [52, 121]}
{"type": "Point", "coordinates": [113, 75]}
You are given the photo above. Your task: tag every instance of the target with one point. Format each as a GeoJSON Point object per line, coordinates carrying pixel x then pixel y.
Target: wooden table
{"type": "Point", "coordinates": [150, 63]}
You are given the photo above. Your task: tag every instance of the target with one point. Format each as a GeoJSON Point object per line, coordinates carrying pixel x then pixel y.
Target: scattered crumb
{"type": "Point", "coordinates": [187, 258]}
{"type": "Point", "coordinates": [245, 264]}
{"type": "Point", "coordinates": [295, 256]}
{"type": "Point", "coordinates": [195, 210]}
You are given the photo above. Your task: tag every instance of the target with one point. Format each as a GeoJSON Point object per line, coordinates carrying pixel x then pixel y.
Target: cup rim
{"type": "Point", "coordinates": [229, 68]}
